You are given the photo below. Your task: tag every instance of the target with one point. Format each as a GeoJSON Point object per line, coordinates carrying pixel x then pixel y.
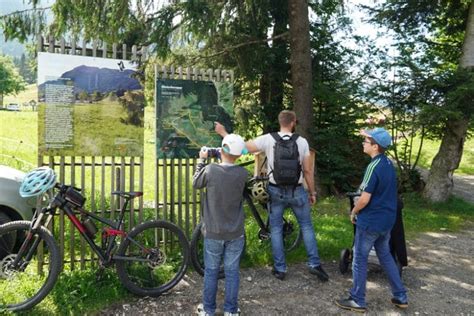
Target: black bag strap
{"type": "Point", "coordinates": [276, 136]}
{"type": "Point", "coordinates": [294, 137]}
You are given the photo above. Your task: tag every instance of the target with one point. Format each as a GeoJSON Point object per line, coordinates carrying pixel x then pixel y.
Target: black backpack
{"type": "Point", "coordinates": [286, 162]}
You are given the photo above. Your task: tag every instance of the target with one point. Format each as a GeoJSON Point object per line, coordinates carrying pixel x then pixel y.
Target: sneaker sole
{"type": "Point", "coordinates": [402, 306]}
{"type": "Point", "coordinates": [352, 309]}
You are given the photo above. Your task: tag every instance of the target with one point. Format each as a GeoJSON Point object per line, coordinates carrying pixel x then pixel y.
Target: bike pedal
{"type": "Point", "coordinates": [263, 235]}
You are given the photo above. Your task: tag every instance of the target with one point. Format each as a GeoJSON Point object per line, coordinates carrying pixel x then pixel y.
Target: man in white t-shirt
{"type": "Point", "coordinates": [294, 196]}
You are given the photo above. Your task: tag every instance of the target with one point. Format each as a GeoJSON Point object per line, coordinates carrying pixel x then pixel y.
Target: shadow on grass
{"type": "Point", "coordinates": [80, 292]}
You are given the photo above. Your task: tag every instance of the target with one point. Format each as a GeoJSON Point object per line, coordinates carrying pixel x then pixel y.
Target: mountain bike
{"type": "Point", "coordinates": [291, 233]}
{"type": "Point", "coordinates": [150, 259]}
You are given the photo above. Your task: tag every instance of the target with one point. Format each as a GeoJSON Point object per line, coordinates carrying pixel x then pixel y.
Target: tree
{"type": "Point", "coordinates": [442, 32]}
{"type": "Point", "coordinates": [440, 182]}
{"type": "Point", "coordinates": [10, 81]}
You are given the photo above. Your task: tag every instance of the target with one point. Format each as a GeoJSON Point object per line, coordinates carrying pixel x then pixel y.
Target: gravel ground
{"type": "Point", "coordinates": [439, 279]}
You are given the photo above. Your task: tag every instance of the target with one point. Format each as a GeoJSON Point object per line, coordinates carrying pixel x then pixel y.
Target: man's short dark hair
{"type": "Point", "coordinates": [286, 117]}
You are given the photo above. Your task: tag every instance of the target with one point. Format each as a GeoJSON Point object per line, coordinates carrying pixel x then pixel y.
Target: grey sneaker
{"type": "Point", "coordinates": [200, 310]}
{"type": "Point", "coordinates": [351, 305]}
{"type": "Point", "coordinates": [232, 314]}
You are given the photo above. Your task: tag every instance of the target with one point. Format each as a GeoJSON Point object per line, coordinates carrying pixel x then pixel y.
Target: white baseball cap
{"type": "Point", "coordinates": [234, 144]}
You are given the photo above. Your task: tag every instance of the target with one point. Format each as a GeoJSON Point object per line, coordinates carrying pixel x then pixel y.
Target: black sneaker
{"type": "Point", "coordinates": [398, 303]}
{"type": "Point", "coordinates": [319, 272]}
{"type": "Point", "coordinates": [350, 304]}
{"type": "Point", "coordinates": [278, 274]}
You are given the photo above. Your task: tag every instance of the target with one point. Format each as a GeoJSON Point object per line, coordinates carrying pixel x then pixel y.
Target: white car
{"type": "Point", "coordinates": [13, 107]}
{"type": "Point", "coordinates": [12, 205]}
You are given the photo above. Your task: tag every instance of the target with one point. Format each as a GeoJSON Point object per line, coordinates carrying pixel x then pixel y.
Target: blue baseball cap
{"type": "Point", "coordinates": [380, 136]}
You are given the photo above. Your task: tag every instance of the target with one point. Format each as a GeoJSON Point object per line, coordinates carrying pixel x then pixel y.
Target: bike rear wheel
{"type": "Point", "coordinates": [155, 258]}
{"type": "Point", "coordinates": [197, 253]}
{"type": "Point", "coordinates": [29, 282]}
{"type": "Point", "coordinates": [292, 234]}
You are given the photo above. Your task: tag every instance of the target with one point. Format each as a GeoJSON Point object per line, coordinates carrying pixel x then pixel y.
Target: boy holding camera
{"type": "Point", "coordinates": [223, 222]}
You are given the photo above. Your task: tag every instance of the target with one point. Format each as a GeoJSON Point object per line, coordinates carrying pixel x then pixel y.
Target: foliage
{"type": "Point", "coordinates": [336, 99]}
{"type": "Point", "coordinates": [133, 103]}
{"type": "Point", "coordinates": [10, 81]}
{"type": "Point", "coordinates": [25, 68]}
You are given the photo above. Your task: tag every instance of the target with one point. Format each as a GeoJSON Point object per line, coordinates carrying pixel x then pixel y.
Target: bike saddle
{"type": "Point", "coordinates": [127, 195]}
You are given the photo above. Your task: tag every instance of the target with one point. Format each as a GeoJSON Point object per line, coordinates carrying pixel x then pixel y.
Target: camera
{"type": "Point", "coordinates": [212, 152]}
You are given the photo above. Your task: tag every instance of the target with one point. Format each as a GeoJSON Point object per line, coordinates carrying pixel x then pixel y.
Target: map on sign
{"type": "Point", "coordinates": [185, 115]}
{"type": "Point", "coordinates": [89, 107]}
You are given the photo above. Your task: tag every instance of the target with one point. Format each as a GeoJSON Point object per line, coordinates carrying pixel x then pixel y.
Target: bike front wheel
{"type": "Point", "coordinates": [29, 266]}
{"type": "Point", "coordinates": [153, 258]}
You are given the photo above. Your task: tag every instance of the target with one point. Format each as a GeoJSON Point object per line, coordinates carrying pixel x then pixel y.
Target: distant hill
{"type": "Point", "coordinates": [104, 80]}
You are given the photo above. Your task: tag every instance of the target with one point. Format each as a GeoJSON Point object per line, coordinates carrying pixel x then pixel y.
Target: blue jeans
{"type": "Point", "coordinates": [364, 241]}
{"type": "Point", "coordinates": [214, 252]}
{"type": "Point", "coordinates": [297, 199]}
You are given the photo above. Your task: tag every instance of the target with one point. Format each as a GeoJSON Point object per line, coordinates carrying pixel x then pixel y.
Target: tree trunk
{"type": "Point", "coordinates": [1, 100]}
{"type": "Point", "coordinates": [272, 81]}
{"type": "Point", "coordinates": [300, 62]}
{"type": "Point", "coordinates": [301, 74]}
{"type": "Point", "coordinates": [440, 181]}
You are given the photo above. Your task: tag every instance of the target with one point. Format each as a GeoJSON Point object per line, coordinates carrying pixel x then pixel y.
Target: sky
{"type": "Point", "coordinates": [380, 35]}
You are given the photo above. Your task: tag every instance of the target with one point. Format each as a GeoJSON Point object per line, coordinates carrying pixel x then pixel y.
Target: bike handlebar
{"type": "Point", "coordinates": [259, 178]}
{"type": "Point", "coordinates": [352, 194]}
{"type": "Point", "coordinates": [64, 187]}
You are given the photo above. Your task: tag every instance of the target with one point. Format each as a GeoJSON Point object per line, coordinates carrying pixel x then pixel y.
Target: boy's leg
{"type": "Point", "coordinates": [232, 254]}
{"type": "Point", "coordinates": [302, 210]}
{"type": "Point", "coordinates": [276, 207]}
{"type": "Point", "coordinates": [213, 252]}
{"type": "Point", "coordinates": [363, 242]}
{"type": "Point", "coordinates": [382, 248]}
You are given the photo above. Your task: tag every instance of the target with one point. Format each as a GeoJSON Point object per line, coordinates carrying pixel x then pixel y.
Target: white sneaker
{"type": "Point", "coordinates": [200, 310]}
{"type": "Point", "coordinates": [232, 314]}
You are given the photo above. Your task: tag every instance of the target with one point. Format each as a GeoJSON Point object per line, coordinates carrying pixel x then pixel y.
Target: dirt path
{"type": "Point", "coordinates": [439, 278]}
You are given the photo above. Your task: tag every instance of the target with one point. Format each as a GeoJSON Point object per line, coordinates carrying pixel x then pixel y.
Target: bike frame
{"type": "Point", "coordinates": [255, 213]}
{"type": "Point", "coordinates": [58, 201]}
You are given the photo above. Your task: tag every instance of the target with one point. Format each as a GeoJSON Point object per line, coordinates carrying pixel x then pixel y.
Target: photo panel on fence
{"type": "Point", "coordinates": [89, 106]}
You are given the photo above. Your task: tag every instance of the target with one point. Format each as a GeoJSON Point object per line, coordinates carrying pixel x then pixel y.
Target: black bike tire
{"type": "Point", "coordinates": [3, 220]}
{"type": "Point", "coordinates": [197, 264]}
{"type": "Point", "coordinates": [55, 265]}
{"type": "Point", "coordinates": [297, 241]}
{"type": "Point", "coordinates": [122, 271]}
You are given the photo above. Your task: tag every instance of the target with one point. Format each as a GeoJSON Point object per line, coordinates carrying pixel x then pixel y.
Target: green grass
{"type": "Point", "coordinates": [335, 232]}
{"type": "Point", "coordinates": [431, 147]}
{"type": "Point", "coordinates": [80, 292]}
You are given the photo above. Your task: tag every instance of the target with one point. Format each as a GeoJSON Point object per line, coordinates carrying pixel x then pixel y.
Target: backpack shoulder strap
{"type": "Point", "coordinates": [276, 136]}
{"type": "Point", "coordinates": [294, 137]}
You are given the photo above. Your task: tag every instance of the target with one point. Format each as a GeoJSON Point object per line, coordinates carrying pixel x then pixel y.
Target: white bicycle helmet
{"type": "Point", "coordinates": [37, 182]}
{"type": "Point", "coordinates": [259, 191]}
